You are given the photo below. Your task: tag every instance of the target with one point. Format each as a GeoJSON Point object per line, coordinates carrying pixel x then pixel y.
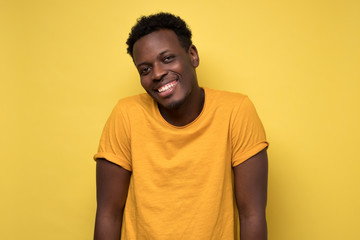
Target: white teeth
{"type": "Point", "coordinates": [166, 87]}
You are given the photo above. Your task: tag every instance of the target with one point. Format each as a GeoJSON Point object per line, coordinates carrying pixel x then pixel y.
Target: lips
{"type": "Point", "coordinates": [167, 86]}
{"type": "Point", "coordinates": [167, 89]}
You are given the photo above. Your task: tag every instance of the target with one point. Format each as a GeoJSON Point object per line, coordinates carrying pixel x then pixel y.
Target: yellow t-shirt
{"type": "Point", "coordinates": [181, 183]}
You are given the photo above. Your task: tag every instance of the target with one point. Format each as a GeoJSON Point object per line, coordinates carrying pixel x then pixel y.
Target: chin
{"type": "Point", "coordinates": [172, 105]}
{"type": "Point", "coordinates": [173, 102]}
{"type": "Point", "coordinates": [175, 105]}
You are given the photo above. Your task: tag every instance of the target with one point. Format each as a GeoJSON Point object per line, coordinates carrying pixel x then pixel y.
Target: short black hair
{"type": "Point", "coordinates": [148, 24]}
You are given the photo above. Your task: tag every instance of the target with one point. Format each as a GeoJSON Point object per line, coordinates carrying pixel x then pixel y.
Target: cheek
{"type": "Point", "coordinates": [143, 82]}
{"type": "Point", "coordinates": [177, 67]}
{"type": "Point", "coordinates": [184, 67]}
{"type": "Point", "coordinates": [188, 74]}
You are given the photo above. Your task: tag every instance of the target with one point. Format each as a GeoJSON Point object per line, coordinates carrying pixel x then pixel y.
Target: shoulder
{"type": "Point", "coordinates": [134, 103]}
{"type": "Point", "coordinates": [226, 98]}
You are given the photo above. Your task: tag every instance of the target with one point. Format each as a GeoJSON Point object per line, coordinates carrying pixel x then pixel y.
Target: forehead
{"type": "Point", "coordinates": [155, 43]}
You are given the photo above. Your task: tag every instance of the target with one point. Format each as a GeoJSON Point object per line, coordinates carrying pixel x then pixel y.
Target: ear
{"type": "Point", "coordinates": [194, 56]}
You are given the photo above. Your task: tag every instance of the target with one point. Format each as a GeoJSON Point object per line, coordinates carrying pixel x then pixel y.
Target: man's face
{"type": "Point", "coordinates": [167, 70]}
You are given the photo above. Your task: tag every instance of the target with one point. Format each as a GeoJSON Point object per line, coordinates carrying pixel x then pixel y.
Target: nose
{"type": "Point", "coordinates": [158, 71]}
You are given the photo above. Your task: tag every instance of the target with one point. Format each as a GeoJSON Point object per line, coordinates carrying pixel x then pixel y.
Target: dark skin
{"type": "Point", "coordinates": [250, 178]}
{"type": "Point", "coordinates": [112, 183]}
{"type": "Point", "coordinates": [160, 60]}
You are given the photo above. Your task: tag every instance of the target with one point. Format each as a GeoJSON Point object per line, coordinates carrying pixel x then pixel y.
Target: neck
{"type": "Point", "coordinates": [187, 112]}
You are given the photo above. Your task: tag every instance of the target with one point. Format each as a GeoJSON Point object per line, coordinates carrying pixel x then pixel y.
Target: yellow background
{"type": "Point", "coordinates": [63, 67]}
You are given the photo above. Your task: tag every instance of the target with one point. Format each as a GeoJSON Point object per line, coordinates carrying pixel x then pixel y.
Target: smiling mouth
{"type": "Point", "coordinates": [167, 86]}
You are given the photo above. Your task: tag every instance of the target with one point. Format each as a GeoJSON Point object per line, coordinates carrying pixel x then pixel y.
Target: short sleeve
{"type": "Point", "coordinates": [115, 140]}
{"type": "Point", "coordinates": [247, 132]}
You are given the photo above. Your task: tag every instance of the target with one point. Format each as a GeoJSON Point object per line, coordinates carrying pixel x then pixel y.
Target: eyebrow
{"type": "Point", "coordinates": [146, 63]}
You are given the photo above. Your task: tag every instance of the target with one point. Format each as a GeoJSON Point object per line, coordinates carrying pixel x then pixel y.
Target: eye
{"type": "Point", "coordinates": [169, 58]}
{"type": "Point", "coordinates": [144, 70]}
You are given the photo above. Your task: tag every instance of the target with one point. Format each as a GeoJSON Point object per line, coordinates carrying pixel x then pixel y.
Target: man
{"type": "Point", "coordinates": [173, 154]}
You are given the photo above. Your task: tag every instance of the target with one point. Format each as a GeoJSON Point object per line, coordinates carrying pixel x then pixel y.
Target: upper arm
{"type": "Point", "coordinates": [115, 141]}
{"type": "Point", "coordinates": [250, 180]}
{"type": "Point", "coordinates": [247, 132]}
{"type": "Point", "coordinates": [112, 183]}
